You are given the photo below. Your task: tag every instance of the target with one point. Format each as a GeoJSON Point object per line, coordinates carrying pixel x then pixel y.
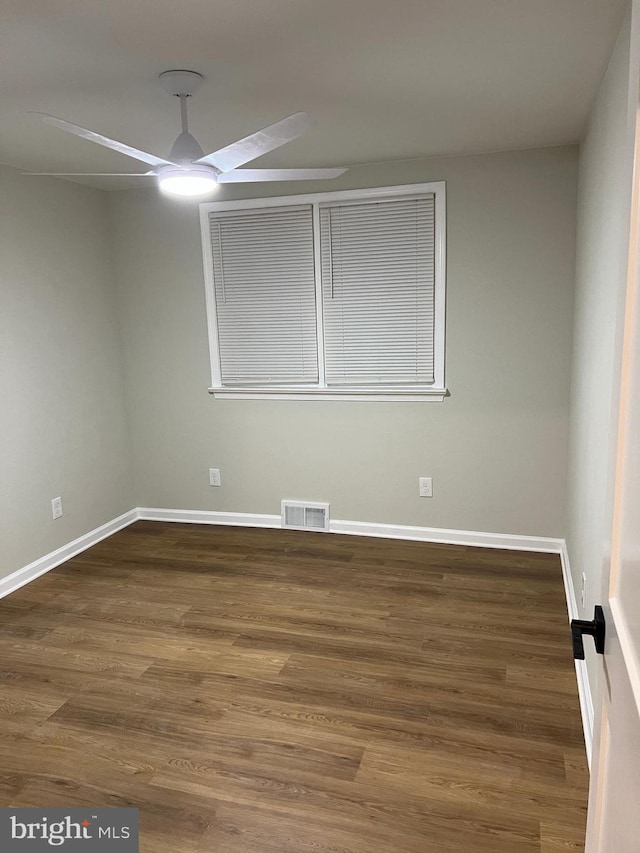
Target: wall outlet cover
{"type": "Point", "coordinates": [426, 487]}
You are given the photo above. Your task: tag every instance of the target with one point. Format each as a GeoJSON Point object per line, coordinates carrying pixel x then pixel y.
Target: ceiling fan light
{"type": "Point", "coordinates": [195, 181]}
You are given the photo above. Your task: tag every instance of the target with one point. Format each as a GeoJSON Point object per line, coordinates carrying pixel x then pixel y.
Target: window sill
{"type": "Point", "coordinates": [383, 395]}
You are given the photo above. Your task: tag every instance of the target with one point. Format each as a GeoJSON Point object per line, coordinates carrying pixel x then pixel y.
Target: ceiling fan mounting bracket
{"type": "Point", "coordinates": [181, 83]}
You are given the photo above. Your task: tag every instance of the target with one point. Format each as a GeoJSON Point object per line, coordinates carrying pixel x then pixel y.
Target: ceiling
{"type": "Point", "coordinates": [385, 79]}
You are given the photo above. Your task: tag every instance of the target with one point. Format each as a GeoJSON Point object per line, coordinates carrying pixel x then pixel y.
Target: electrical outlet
{"type": "Point", "coordinates": [56, 508]}
{"type": "Point", "coordinates": [214, 477]}
{"type": "Point", "coordinates": [426, 487]}
{"type": "Point", "coordinates": [584, 588]}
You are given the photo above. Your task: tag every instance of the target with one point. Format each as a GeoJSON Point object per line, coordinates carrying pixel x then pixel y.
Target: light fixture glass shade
{"type": "Point", "coordinates": [193, 181]}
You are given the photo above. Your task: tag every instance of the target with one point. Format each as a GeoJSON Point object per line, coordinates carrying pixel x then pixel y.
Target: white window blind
{"type": "Point", "coordinates": [377, 262]}
{"type": "Point", "coordinates": [263, 274]}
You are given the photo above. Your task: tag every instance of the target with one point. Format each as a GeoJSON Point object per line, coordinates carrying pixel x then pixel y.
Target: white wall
{"type": "Point", "coordinates": [605, 181]}
{"type": "Point", "coordinates": [496, 449]}
{"type": "Point", "coordinates": [62, 419]}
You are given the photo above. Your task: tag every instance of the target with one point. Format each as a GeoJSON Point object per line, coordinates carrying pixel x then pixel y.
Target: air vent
{"type": "Point", "coordinates": [300, 515]}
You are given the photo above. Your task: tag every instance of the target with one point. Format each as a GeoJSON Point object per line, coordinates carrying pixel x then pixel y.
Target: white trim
{"type": "Point", "coordinates": [210, 301]}
{"type": "Point", "coordinates": [317, 274]}
{"type": "Point", "coordinates": [445, 536]}
{"type": "Point", "coordinates": [627, 647]}
{"type": "Point", "coordinates": [440, 287]}
{"type": "Point", "coordinates": [431, 395]}
{"type": "Point", "coordinates": [434, 394]}
{"type": "Point", "coordinates": [582, 674]}
{"type": "Point", "coordinates": [26, 574]}
{"type": "Point", "coordinates": [208, 207]}
{"type": "Point", "coordinates": [188, 516]}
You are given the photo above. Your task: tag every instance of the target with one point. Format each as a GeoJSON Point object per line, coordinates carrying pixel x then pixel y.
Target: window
{"type": "Point", "coordinates": [328, 296]}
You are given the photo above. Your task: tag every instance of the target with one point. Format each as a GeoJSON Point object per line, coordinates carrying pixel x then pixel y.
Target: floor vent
{"type": "Point", "coordinates": [301, 515]}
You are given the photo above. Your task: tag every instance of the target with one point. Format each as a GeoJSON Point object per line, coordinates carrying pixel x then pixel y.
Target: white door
{"type": "Point", "coordinates": [614, 799]}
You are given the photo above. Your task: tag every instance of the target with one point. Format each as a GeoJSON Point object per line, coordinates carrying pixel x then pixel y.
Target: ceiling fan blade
{"type": "Point", "coordinates": [93, 174]}
{"type": "Point", "coordinates": [258, 143]}
{"type": "Point", "coordinates": [242, 175]}
{"type": "Point", "coordinates": [83, 133]}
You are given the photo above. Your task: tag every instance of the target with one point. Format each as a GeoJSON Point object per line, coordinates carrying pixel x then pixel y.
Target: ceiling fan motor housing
{"type": "Point", "coordinates": [185, 150]}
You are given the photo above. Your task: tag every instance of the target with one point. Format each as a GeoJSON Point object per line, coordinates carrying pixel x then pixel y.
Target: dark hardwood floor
{"type": "Point", "coordinates": [267, 691]}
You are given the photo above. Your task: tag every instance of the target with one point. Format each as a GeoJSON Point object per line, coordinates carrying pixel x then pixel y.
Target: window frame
{"type": "Point", "coordinates": [435, 392]}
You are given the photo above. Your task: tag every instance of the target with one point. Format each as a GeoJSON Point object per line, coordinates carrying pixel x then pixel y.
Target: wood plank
{"type": "Point", "coordinates": [254, 691]}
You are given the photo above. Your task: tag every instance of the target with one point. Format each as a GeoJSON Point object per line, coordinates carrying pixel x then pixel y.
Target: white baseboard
{"type": "Point", "coordinates": [197, 516]}
{"type": "Point", "coordinates": [39, 567]}
{"type": "Point", "coordinates": [582, 674]}
{"type": "Point", "coordinates": [447, 536]}
{"type": "Point", "coordinates": [363, 528]}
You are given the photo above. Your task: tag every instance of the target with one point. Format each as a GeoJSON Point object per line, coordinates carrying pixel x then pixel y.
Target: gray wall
{"type": "Point", "coordinates": [496, 449]}
{"type": "Point", "coordinates": [62, 420]}
{"type": "Point", "coordinates": [605, 180]}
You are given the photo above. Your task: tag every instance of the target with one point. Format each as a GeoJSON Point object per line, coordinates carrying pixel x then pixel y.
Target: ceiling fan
{"type": "Point", "coordinates": [188, 171]}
